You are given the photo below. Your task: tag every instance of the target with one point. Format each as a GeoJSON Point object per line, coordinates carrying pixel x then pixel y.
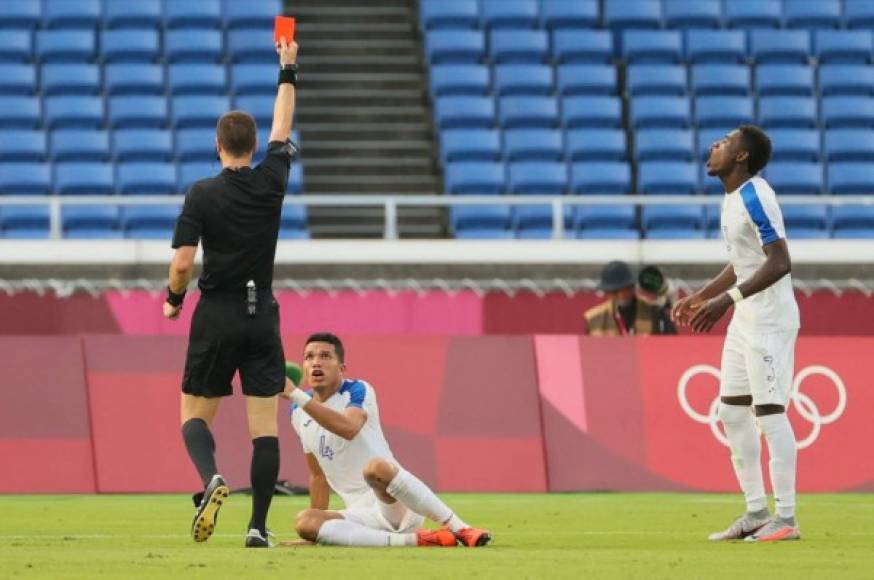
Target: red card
{"type": "Point", "coordinates": [283, 26]}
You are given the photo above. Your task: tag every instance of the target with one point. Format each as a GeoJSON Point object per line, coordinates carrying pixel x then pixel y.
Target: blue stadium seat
{"type": "Point", "coordinates": [192, 14]}
{"type": "Point", "coordinates": [470, 145]}
{"type": "Point", "coordinates": [79, 145]}
{"type": "Point", "coordinates": [652, 46]}
{"type": "Point", "coordinates": [70, 79]}
{"type": "Point", "coordinates": [197, 79]}
{"type": "Point", "coordinates": [253, 79]}
{"type": "Point", "coordinates": [523, 79]}
{"type": "Point", "coordinates": [463, 217]}
{"type": "Point", "coordinates": [656, 79]}
{"type": "Point", "coordinates": [608, 234]}
{"type": "Point", "coordinates": [125, 45]}
{"type": "Point", "coordinates": [676, 234]}
{"type": "Point", "coordinates": [850, 217]}
{"type": "Point", "coordinates": [660, 112]}
{"type": "Point", "coordinates": [600, 177]}
{"type": "Point", "coordinates": [795, 144]}
{"type": "Point", "coordinates": [84, 178]}
{"type": "Point", "coordinates": [846, 80]}
{"type": "Point", "coordinates": [531, 218]}
{"type": "Point", "coordinates": [538, 177]}
{"type": "Point", "coordinates": [620, 216]}
{"type": "Point", "coordinates": [814, 217]}
{"type": "Point", "coordinates": [460, 79]}
{"type": "Point", "coordinates": [94, 234]}
{"type": "Point", "coordinates": [807, 234]}
{"type": "Point", "coordinates": [512, 14]}
{"type": "Point", "coordinates": [518, 46]}
{"type": "Point", "coordinates": [716, 46]}
{"type": "Point", "coordinates": [136, 219]}
{"type": "Point", "coordinates": [147, 178]}
{"type": "Point", "coordinates": [124, 14]}
{"type": "Point", "coordinates": [596, 145]}
{"type": "Point", "coordinates": [253, 14]}
{"type": "Point", "coordinates": [843, 46]}
{"type": "Point", "coordinates": [24, 221]}
{"type": "Point", "coordinates": [295, 178]}
{"type": "Point", "coordinates": [849, 145]}
{"type": "Point", "coordinates": [593, 47]}
{"type": "Point", "coordinates": [664, 145]}
{"type": "Point", "coordinates": [293, 234]}
{"type": "Point", "coordinates": [75, 111]}
{"type": "Point", "coordinates": [71, 14]}
{"type": "Point", "coordinates": [853, 233]}
{"type": "Point", "coordinates": [23, 145]}
{"type": "Point", "coordinates": [528, 112]}
{"type": "Point", "coordinates": [475, 177]}
{"type": "Point", "coordinates": [199, 111]}
{"type": "Point", "coordinates": [293, 216]}
{"type": "Point", "coordinates": [587, 79]}
{"type": "Point", "coordinates": [464, 112]}
{"type": "Point", "coordinates": [134, 79]}
{"type": "Point", "coordinates": [673, 217]}
{"type": "Point", "coordinates": [667, 177]}
{"type": "Point", "coordinates": [851, 177]}
{"type": "Point", "coordinates": [795, 178]}
{"type": "Point", "coordinates": [89, 217]}
{"type": "Point", "coordinates": [533, 145]}
{"type": "Point", "coordinates": [632, 14]}
{"type": "Point", "coordinates": [17, 79]}
{"type": "Point", "coordinates": [695, 14]}
{"type": "Point", "coordinates": [28, 178]}
{"type": "Point", "coordinates": [192, 45]}
{"type": "Point", "coordinates": [20, 112]}
{"type": "Point", "coordinates": [790, 80]}
{"type": "Point", "coordinates": [142, 145]}
{"type": "Point", "coordinates": [807, 14]}
{"type": "Point", "coordinates": [859, 13]}
{"type": "Point", "coordinates": [448, 14]}
{"type": "Point", "coordinates": [455, 46]}
{"type": "Point", "coordinates": [721, 80]}
{"type": "Point", "coordinates": [534, 233]}
{"type": "Point", "coordinates": [20, 14]}
{"type": "Point", "coordinates": [753, 13]}
{"type": "Point", "coordinates": [484, 234]}
{"type": "Point", "coordinates": [248, 46]}
{"type": "Point", "coordinates": [602, 112]}
{"type": "Point", "coordinates": [194, 171]}
{"type": "Point", "coordinates": [65, 45]}
{"type": "Point", "coordinates": [138, 111]}
{"type": "Point", "coordinates": [780, 46]}
{"type": "Point", "coordinates": [16, 46]}
{"type": "Point", "coordinates": [559, 14]}
{"type": "Point", "coordinates": [848, 112]}
{"type": "Point", "coordinates": [788, 112]}
{"type": "Point", "coordinates": [722, 112]}
{"type": "Point", "coordinates": [259, 106]}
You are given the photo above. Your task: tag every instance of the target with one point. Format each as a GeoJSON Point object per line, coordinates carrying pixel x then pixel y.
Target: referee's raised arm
{"type": "Point", "coordinates": [283, 109]}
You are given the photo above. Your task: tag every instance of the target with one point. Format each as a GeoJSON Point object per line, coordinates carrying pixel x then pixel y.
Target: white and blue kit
{"type": "Point", "coordinates": [343, 461]}
{"type": "Point", "coordinates": [758, 358]}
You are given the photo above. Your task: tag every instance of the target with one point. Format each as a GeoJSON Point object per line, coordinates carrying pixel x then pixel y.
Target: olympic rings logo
{"type": "Point", "coordinates": [803, 403]}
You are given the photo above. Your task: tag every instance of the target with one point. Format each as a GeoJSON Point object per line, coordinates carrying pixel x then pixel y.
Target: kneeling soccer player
{"type": "Point", "coordinates": [339, 428]}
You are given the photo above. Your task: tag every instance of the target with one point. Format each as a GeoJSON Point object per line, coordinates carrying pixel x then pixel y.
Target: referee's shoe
{"type": "Point", "coordinates": [206, 515]}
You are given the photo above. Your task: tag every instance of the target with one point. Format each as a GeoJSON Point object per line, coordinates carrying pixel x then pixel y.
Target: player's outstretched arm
{"type": "Point", "coordinates": [683, 310]}
{"type": "Point", "coordinates": [320, 491]}
{"type": "Point", "coordinates": [283, 109]}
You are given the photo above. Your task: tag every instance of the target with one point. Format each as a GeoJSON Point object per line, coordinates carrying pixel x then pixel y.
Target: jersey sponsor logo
{"type": "Point", "coordinates": [803, 404]}
{"type": "Point", "coordinates": [325, 450]}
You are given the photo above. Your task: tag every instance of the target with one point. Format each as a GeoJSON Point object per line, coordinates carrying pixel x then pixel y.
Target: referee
{"type": "Point", "coordinates": [235, 326]}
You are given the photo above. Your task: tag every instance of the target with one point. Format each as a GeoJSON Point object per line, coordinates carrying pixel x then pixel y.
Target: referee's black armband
{"type": "Point", "coordinates": [175, 300]}
{"type": "Point", "coordinates": [288, 74]}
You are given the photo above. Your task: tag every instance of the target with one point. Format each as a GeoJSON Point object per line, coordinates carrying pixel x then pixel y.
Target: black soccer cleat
{"type": "Point", "coordinates": [254, 539]}
{"type": "Point", "coordinates": [206, 515]}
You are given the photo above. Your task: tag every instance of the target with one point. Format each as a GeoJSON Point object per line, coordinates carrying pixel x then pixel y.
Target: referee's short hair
{"type": "Point", "coordinates": [757, 143]}
{"type": "Point", "coordinates": [236, 133]}
{"type": "Point", "coordinates": [330, 339]}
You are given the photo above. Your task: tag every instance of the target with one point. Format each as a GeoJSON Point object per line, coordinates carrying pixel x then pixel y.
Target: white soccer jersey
{"type": "Point", "coordinates": [343, 461]}
{"type": "Point", "coordinates": [751, 218]}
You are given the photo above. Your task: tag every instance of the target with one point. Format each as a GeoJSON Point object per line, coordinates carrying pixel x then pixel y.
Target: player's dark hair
{"type": "Point", "coordinates": [236, 133]}
{"type": "Point", "coordinates": [330, 339]}
{"type": "Point", "coordinates": [757, 143]}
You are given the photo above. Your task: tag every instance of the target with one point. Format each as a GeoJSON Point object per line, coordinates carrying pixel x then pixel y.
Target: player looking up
{"type": "Point", "coordinates": [339, 429]}
{"type": "Point", "coordinates": [759, 352]}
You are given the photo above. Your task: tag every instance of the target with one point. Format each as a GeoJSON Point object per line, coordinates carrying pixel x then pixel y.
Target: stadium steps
{"type": "Point", "coordinates": [363, 114]}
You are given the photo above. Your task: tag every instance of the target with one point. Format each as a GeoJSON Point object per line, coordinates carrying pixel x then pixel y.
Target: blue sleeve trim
{"type": "Point", "coordinates": [357, 392]}
{"type": "Point", "coordinates": [758, 215]}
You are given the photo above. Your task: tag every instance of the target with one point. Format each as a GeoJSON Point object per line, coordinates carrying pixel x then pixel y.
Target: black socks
{"type": "Point", "coordinates": [201, 448]}
{"type": "Point", "coordinates": [265, 470]}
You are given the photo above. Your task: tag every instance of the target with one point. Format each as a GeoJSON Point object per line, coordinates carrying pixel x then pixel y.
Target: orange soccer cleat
{"type": "Point", "coordinates": [473, 538]}
{"type": "Point", "coordinates": [442, 538]}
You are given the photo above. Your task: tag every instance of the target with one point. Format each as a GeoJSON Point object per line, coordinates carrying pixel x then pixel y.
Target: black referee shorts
{"type": "Point", "coordinates": [224, 339]}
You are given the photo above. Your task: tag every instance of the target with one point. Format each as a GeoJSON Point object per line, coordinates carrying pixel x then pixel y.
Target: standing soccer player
{"type": "Point", "coordinates": [236, 323]}
{"type": "Point", "coordinates": [759, 354]}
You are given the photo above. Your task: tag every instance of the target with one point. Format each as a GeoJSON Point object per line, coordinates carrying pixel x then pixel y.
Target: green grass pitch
{"type": "Point", "coordinates": [536, 536]}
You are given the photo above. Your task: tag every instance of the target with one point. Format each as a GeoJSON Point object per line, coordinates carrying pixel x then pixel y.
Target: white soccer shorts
{"type": "Point", "coordinates": [758, 364]}
{"type": "Point", "coordinates": [385, 517]}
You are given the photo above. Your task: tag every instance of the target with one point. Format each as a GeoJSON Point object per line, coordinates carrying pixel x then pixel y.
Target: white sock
{"type": "Point", "coordinates": [346, 533]}
{"type": "Point", "coordinates": [746, 453]}
{"type": "Point", "coordinates": [418, 497]}
{"type": "Point", "coordinates": [781, 447]}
